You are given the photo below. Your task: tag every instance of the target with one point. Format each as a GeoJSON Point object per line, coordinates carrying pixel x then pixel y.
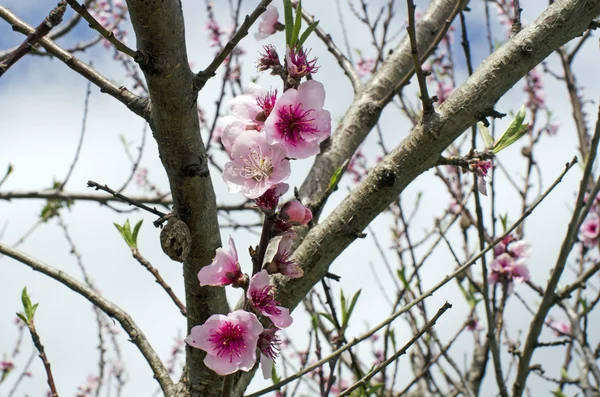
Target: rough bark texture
{"type": "Point", "coordinates": [420, 151]}
{"type": "Point", "coordinates": [159, 29]}
{"type": "Point", "coordinates": [371, 98]}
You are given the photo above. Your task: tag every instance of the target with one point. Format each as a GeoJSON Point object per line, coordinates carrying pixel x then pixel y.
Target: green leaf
{"type": "Point", "coordinates": [274, 376]}
{"type": "Point", "coordinates": [297, 26]}
{"type": "Point", "coordinates": [328, 317]}
{"type": "Point", "coordinates": [22, 317]}
{"type": "Point", "coordinates": [307, 33]}
{"type": "Point", "coordinates": [504, 221]}
{"type": "Point", "coordinates": [563, 373]}
{"type": "Point", "coordinates": [513, 133]}
{"type": "Point", "coordinates": [288, 20]}
{"type": "Point", "coordinates": [351, 307]}
{"type": "Point", "coordinates": [392, 336]}
{"type": "Point", "coordinates": [335, 178]}
{"type": "Point", "coordinates": [402, 277]}
{"type": "Point", "coordinates": [124, 232]}
{"type": "Point", "coordinates": [344, 307]}
{"type": "Point", "coordinates": [584, 304]}
{"type": "Point", "coordinates": [485, 134]}
{"type": "Point", "coordinates": [136, 230]}
{"type": "Point", "coordinates": [28, 308]}
{"type": "Point", "coordinates": [558, 393]}
{"type": "Point", "coordinates": [315, 323]}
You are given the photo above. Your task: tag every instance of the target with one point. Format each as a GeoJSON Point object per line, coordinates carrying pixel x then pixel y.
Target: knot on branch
{"type": "Point", "coordinates": [527, 46]}
{"type": "Point", "coordinates": [386, 178]}
{"type": "Point", "coordinates": [175, 238]}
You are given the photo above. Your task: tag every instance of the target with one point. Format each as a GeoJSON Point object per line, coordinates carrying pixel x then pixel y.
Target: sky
{"type": "Point", "coordinates": [41, 108]}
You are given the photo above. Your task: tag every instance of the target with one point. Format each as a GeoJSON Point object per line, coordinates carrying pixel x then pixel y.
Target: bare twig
{"type": "Point", "coordinates": [81, 135]}
{"type": "Point", "coordinates": [344, 63]}
{"type": "Point", "coordinates": [53, 19]}
{"type": "Point", "coordinates": [108, 35]}
{"type": "Point", "coordinates": [548, 298]}
{"type": "Point", "coordinates": [399, 353]}
{"type": "Point", "coordinates": [42, 354]}
{"type": "Point", "coordinates": [427, 102]}
{"type": "Point", "coordinates": [126, 199]}
{"type": "Point", "coordinates": [422, 297]}
{"type": "Point", "coordinates": [144, 262]}
{"type": "Point", "coordinates": [136, 335]}
{"type": "Point", "coordinates": [202, 77]}
{"type": "Point", "coordinates": [137, 105]}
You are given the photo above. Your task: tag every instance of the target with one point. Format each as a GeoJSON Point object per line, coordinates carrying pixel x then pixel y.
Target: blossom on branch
{"type": "Point", "coordinates": [255, 165]}
{"type": "Point", "coordinates": [229, 341]}
{"type": "Point", "coordinates": [505, 268]}
{"type": "Point", "coordinates": [268, 25]}
{"type": "Point", "coordinates": [590, 229]}
{"type": "Point", "coordinates": [298, 64]}
{"type": "Point", "coordinates": [298, 120]}
{"type": "Point", "coordinates": [281, 262]}
{"type": "Point", "coordinates": [269, 59]}
{"type": "Point", "coordinates": [268, 344]}
{"type": "Point", "coordinates": [261, 296]}
{"type": "Point", "coordinates": [224, 269]}
{"type": "Point", "coordinates": [295, 213]}
{"type": "Point", "coordinates": [270, 199]}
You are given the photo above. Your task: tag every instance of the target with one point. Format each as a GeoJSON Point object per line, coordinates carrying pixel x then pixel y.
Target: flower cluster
{"type": "Point", "coordinates": [508, 265]}
{"type": "Point", "coordinates": [262, 133]}
{"type": "Point", "coordinates": [231, 341]}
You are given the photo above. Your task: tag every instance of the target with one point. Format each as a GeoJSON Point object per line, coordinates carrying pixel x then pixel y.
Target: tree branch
{"type": "Point", "coordinates": [137, 105]}
{"type": "Point", "coordinates": [370, 100]}
{"type": "Point", "coordinates": [202, 77]}
{"type": "Point", "coordinates": [53, 19]}
{"type": "Point", "coordinates": [548, 301]}
{"type": "Point", "coordinates": [421, 149]}
{"type": "Point", "coordinates": [136, 335]}
{"type": "Point", "coordinates": [160, 37]}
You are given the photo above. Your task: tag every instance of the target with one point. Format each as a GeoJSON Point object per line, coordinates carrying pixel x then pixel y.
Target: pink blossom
{"type": "Point", "coordinates": [520, 249]}
{"type": "Point", "coordinates": [229, 341]}
{"type": "Point", "coordinates": [481, 169]}
{"type": "Point", "coordinates": [298, 64]}
{"type": "Point", "coordinates": [552, 129]}
{"type": "Point", "coordinates": [261, 297]}
{"type": "Point", "coordinates": [364, 66]}
{"type": "Point", "coordinates": [92, 383]}
{"type": "Point", "coordinates": [255, 165]}
{"type": "Point", "coordinates": [269, 59]}
{"type": "Point", "coordinates": [298, 120]}
{"type": "Point", "coordinates": [561, 328]}
{"type": "Point", "coordinates": [247, 112]}
{"type": "Point", "coordinates": [454, 207]}
{"type": "Point", "coordinates": [224, 269]}
{"type": "Point", "coordinates": [268, 25]}
{"type": "Point", "coordinates": [281, 262]}
{"type": "Point", "coordinates": [590, 228]}
{"type": "Point", "coordinates": [7, 365]}
{"type": "Point", "coordinates": [215, 32]}
{"type": "Point", "coordinates": [504, 267]}
{"type": "Point", "coordinates": [535, 90]}
{"type": "Point", "coordinates": [295, 213]}
{"type": "Point", "coordinates": [268, 344]}
{"type": "Point", "coordinates": [270, 199]}
{"type": "Point", "coordinates": [474, 325]}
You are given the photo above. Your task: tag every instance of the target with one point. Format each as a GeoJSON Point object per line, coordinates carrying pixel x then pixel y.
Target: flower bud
{"type": "Point", "coordinates": [296, 213]}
